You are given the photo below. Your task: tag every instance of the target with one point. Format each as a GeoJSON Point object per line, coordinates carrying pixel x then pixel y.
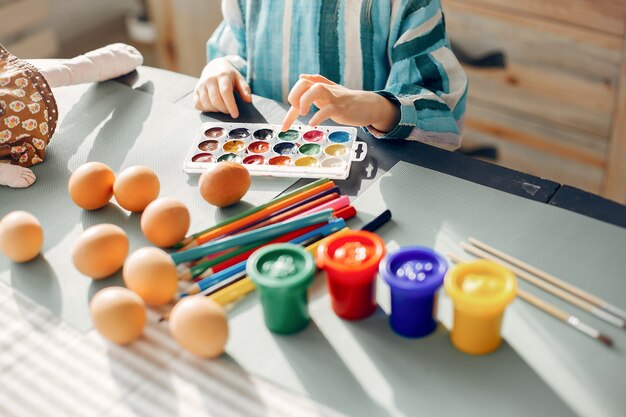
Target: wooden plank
{"type": "Point", "coordinates": [607, 16]}
{"type": "Point", "coordinates": [546, 95]}
{"type": "Point", "coordinates": [568, 144]}
{"type": "Point", "coordinates": [614, 186]}
{"type": "Point", "coordinates": [534, 42]}
{"type": "Point", "coordinates": [42, 44]}
{"type": "Point", "coordinates": [22, 15]}
{"type": "Point", "coordinates": [553, 73]}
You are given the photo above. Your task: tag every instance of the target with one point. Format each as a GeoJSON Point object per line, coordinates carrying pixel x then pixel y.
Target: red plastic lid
{"type": "Point", "coordinates": [351, 252]}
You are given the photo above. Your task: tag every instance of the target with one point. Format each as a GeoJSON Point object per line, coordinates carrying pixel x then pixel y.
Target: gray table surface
{"type": "Point", "coordinates": [361, 368]}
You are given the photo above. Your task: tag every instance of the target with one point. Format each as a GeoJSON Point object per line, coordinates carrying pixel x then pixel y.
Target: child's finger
{"type": "Point", "coordinates": [204, 100]}
{"type": "Point", "coordinates": [243, 88]}
{"type": "Point", "coordinates": [216, 97]}
{"type": "Point", "coordinates": [315, 93]}
{"type": "Point", "coordinates": [296, 92]}
{"type": "Point", "coordinates": [290, 117]}
{"type": "Point", "coordinates": [228, 95]}
{"type": "Point", "coordinates": [324, 113]}
{"type": "Point", "coordinates": [316, 78]}
{"type": "Point", "coordinates": [196, 101]}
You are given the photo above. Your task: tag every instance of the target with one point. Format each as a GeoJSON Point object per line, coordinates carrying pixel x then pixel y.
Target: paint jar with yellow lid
{"type": "Point", "coordinates": [480, 291]}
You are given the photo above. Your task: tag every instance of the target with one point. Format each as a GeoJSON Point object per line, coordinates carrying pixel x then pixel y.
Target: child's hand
{"type": "Point", "coordinates": [215, 89]}
{"type": "Point", "coordinates": [341, 104]}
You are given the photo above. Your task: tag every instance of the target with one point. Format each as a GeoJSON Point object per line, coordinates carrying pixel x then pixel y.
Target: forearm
{"type": "Point", "coordinates": [385, 115]}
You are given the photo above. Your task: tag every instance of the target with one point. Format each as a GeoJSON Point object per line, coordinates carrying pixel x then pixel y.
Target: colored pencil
{"type": "Point", "coordinates": [210, 261]}
{"type": "Point", "coordinates": [261, 214]}
{"type": "Point", "coordinates": [579, 292]}
{"type": "Point", "coordinates": [337, 204]}
{"type": "Point", "coordinates": [245, 286]}
{"type": "Point", "coordinates": [345, 213]}
{"type": "Point", "coordinates": [257, 235]}
{"type": "Point", "coordinates": [292, 212]}
{"type": "Point", "coordinates": [331, 191]}
{"type": "Point", "coordinates": [554, 311]}
{"type": "Point", "coordinates": [199, 268]}
{"type": "Point", "coordinates": [546, 286]}
{"type": "Point", "coordinates": [253, 210]}
{"type": "Point", "coordinates": [380, 220]}
{"type": "Point", "coordinates": [207, 282]}
{"type": "Point", "coordinates": [244, 255]}
{"type": "Point", "coordinates": [230, 281]}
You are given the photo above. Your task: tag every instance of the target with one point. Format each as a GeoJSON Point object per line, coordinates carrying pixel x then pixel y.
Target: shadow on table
{"type": "Point", "coordinates": [143, 376]}
{"type": "Point", "coordinates": [432, 371]}
{"type": "Point", "coordinates": [324, 374]}
{"type": "Point", "coordinates": [254, 402]}
{"type": "Point", "coordinates": [38, 281]}
{"type": "Point", "coordinates": [247, 111]}
{"type": "Point", "coordinates": [112, 144]}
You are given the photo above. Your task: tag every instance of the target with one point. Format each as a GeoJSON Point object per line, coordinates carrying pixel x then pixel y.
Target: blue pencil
{"type": "Point", "coordinates": [262, 233]}
{"type": "Point", "coordinates": [218, 277]}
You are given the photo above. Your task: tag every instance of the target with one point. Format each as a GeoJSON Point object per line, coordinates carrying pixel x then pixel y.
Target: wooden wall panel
{"type": "Point", "coordinates": [601, 15]}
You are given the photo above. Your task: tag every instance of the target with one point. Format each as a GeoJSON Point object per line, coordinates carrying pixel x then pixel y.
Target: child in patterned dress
{"type": "Point", "coordinates": [385, 65]}
{"type": "Point", "coordinates": [28, 111]}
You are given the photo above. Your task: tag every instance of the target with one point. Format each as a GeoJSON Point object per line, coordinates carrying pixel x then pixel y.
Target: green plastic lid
{"type": "Point", "coordinates": [282, 266]}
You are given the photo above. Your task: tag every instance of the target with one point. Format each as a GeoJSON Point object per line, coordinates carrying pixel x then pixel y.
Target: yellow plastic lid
{"type": "Point", "coordinates": [481, 287]}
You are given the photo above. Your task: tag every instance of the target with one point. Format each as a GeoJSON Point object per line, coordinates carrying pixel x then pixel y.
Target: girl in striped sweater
{"type": "Point", "coordinates": [385, 65]}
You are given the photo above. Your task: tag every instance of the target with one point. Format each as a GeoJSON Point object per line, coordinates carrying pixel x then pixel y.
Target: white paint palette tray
{"type": "Point", "coordinates": [302, 151]}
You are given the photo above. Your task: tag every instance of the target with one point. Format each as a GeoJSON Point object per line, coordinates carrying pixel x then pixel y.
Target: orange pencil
{"type": "Point", "coordinates": [262, 214]}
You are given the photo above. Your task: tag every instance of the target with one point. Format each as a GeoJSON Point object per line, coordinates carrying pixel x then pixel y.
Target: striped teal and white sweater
{"type": "Point", "coordinates": [397, 48]}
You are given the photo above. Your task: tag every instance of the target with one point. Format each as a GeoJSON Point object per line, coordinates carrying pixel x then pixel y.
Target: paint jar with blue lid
{"type": "Point", "coordinates": [283, 273]}
{"type": "Point", "coordinates": [414, 275]}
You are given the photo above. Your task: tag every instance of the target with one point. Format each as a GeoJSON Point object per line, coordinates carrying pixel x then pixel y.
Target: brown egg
{"type": "Point", "coordinates": [118, 314]}
{"type": "Point", "coordinates": [199, 325]}
{"type": "Point", "coordinates": [100, 250]}
{"type": "Point", "coordinates": [225, 184]}
{"type": "Point", "coordinates": [136, 187]}
{"type": "Point", "coordinates": [21, 236]}
{"type": "Point", "coordinates": [151, 273]}
{"type": "Point", "coordinates": [91, 185]}
{"type": "Point", "coordinates": [165, 222]}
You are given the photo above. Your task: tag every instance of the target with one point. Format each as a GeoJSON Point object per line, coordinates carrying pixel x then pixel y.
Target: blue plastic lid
{"type": "Point", "coordinates": [414, 268]}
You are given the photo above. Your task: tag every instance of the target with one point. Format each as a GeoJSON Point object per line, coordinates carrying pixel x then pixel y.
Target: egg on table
{"type": "Point", "coordinates": [21, 236]}
{"type": "Point", "coordinates": [165, 222]}
{"type": "Point", "coordinates": [200, 326]}
{"type": "Point", "coordinates": [91, 185]}
{"type": "Point", "coordinates": [151, 273]}
{"type": "Point", "coordinates": [100, 251]}
{"type": "Point", "coordinates": [118, 314]}
{"type": "Point", "coordinates": [136, 187]}
{"type": "Point", "coordinates": [224, 184]}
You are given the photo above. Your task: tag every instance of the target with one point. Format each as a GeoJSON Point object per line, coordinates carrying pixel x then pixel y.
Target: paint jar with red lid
{"type": "Point", "coordinates": [351, 263]}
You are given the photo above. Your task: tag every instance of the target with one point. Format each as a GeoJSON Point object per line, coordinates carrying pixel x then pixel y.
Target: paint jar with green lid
{"type": "Point", "coordinates": [283, 274]}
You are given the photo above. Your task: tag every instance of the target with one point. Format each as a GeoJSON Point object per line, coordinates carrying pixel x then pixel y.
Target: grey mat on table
{"type": "Point", "coordinates": [121, 127]}
{"type": "Point", "coordinates": [543, 367]}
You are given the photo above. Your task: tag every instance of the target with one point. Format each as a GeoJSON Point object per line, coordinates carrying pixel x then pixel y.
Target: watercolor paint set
{"type": "Point", "coordinates": [302, 151]}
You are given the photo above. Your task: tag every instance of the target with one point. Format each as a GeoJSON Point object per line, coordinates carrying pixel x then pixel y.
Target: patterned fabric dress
{"type": "Point", "coordinates": [28, 112]}
{"type": "Point", "coordinates": [397, 48]}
